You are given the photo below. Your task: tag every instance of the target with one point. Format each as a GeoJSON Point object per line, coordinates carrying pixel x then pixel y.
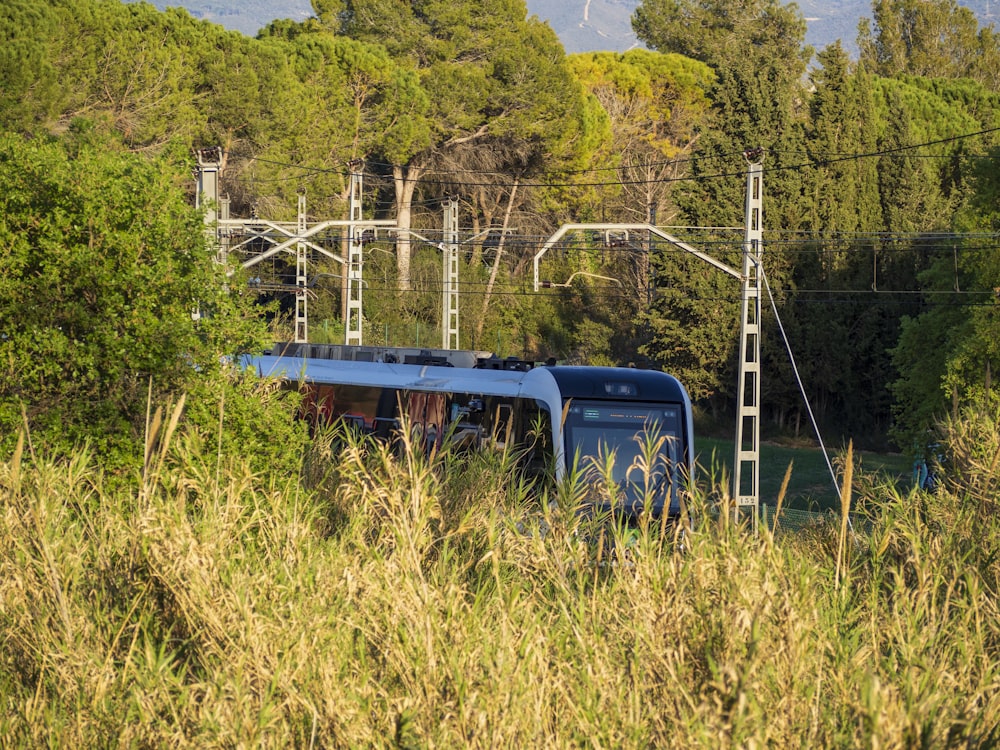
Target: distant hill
{"type": "Point", "coordinates": [582, 25]}
{"type": "Point", "coordinates": [586, 25]}
{"type": "Point", "coordinates": [589, 25]}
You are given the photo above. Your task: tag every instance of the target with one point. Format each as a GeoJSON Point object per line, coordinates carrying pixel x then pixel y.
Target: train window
{"type": "Point", "coordinates": [323, 404]}
{"type": "Point", "coordinates": [385, 428]}
{"type": "Point", "coordinates": [596, 429]}
{"type": "Point", "coordinates": [536, 437]}
{"type": "Point", "coordinates": [501, 424]}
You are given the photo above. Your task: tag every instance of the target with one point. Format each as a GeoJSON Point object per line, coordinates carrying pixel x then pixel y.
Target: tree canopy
{"type": "Point", "coordinates": [868, 165]}
{"type": "Point", "coordinates": [714, 30]}
{"type": "Point", "coordinates": [110, 300]}
{"type": "Point", "coordinates": [932, 38]}
{"type": "Point", "coordinates": [496, 81]}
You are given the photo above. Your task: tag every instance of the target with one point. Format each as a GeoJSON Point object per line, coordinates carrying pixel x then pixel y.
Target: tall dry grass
{"type": "Point", "coordinates": [399, 599]}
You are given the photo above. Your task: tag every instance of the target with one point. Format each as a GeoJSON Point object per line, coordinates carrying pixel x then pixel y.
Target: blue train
{"type": "Point", "coordinates": [559, 416]}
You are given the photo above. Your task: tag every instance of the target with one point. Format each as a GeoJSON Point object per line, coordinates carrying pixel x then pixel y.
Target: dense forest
{"type": "Point", "coordinates": [880, 210]}
{"type": "Point", "coordinates": [182, 565]}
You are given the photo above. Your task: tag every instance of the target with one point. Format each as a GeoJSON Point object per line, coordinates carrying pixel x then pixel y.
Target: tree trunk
{"type": "Point", "coordinates": [496, 263]}
{"type": "Point", "coordinates": [405, 181]}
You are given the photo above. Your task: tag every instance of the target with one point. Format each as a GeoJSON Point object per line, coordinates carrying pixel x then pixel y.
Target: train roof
{"type": "Point", "coordinates": [549, 382]}
{"type": "Point", "coordinates": [618, 382]}
{"type": "Point", "coordinates": [512, 383]}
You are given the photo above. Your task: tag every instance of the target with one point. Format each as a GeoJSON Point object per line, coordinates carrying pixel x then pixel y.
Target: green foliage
{"type": "Point", "coordinates": [698, 298]}
{"type": "Point", "coordinates": [945, 355]}
{"type": "Point", "coordinates": [839, 343]}
{"type": "Point", "coordinates": [501, 98]}
{"type": "Point", "coordinates": [468, 99]}
{"type": "Point", "coordinates": [105, 263]}
{"type": "Point", "coordinates": [939, 39]}
{"type": "Point", "coordinates": [656, 105]}
{"type": "Point", "coordinates": [717, 30]}
{"type": "Point", "coordinates": [29, 81]}
{"type": "Point", "coordinates": [755, 51]}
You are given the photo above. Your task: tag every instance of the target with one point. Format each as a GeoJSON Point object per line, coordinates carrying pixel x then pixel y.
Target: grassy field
{"type": "Point", "coordinates": [434, 602]}
{"type": "Point", "coordinates": [811, 486]}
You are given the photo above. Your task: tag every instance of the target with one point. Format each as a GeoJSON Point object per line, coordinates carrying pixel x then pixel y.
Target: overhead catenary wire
{"type": "Point", "coordinates": [798, 380]}
{"type": "Point", "coordinates": [782, 242]}
{"type": "Point", "coordinates": [608, 293]}
{"type": "Point", "coordinates": [794, 245]}
{"type": "Point", "coordinates": [725, 174]}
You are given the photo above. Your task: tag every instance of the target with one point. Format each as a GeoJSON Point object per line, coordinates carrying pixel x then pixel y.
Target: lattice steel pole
{"type": "Point", "coordinates": [207, 191]}
{"type": "Point", "coordinates": [449, 249]}
{"type": "Point", "coordinates": [746, 469]}
{"type": "Point", "coordinates": [301, 278]}
{"type": "Point", "coordinates": [355, 261]}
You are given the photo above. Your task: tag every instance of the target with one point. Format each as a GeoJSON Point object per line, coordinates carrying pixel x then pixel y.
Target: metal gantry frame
{"type": "Point", "coordinates": [207, 189]}
{"type": "Point", "coordinates": [282, 237]}
{"type": "Point", "coordinates": [207, 193]}
{"type": "Point", "coordinates": [449, 253]}
{"type": "Point", "coordinates": [746, 470]}
{"type": "Point", "coordinates": [233, 235]}
{"type": "Point", "coordinates": [653, 231]}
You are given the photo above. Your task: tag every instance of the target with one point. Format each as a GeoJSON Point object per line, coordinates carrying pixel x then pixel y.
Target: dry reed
{"type": "Point", "coordinates": [416, 600]}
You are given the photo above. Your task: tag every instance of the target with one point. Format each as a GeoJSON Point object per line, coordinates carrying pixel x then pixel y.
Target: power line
{"type": "Point", "coordinates": [896, 150]}
{"type": "Point", "coordinates": [313, 170]}
{"type": "Point", "coordinates": [882, 297]}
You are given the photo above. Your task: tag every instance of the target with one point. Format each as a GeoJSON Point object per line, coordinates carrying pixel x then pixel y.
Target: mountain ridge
{"type": "Point", "coordinates": [581, 25]}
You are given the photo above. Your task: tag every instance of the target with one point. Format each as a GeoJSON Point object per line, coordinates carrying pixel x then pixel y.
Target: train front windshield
{"type": "Point", "coordinates": [595, 430]}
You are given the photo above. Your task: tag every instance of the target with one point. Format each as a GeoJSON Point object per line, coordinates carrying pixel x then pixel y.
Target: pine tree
{"type": "Point", "coordinates": [756, 50]}
{"type": "Point", "coordinates": [931, 38]}
{"type": "Point", "coordinates": [497, 82]}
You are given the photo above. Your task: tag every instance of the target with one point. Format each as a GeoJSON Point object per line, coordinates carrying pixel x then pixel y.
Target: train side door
{"type": "Point", "coordinates": [427, 414]}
